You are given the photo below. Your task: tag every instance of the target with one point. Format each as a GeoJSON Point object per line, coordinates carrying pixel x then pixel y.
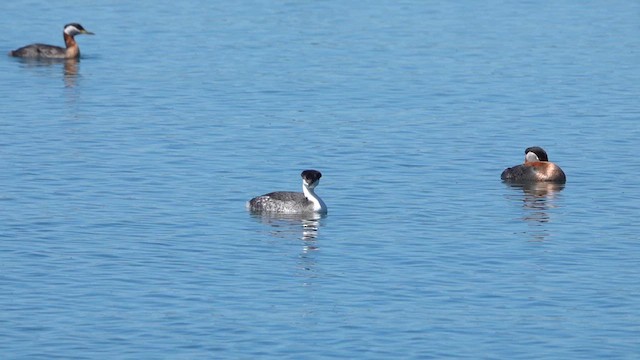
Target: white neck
{"type": "Point", "coordinates": [318, 204]}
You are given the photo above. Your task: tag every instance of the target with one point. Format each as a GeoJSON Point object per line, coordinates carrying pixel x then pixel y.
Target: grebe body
{"type": "Point", "coordinates": [43, 51]}
{"type": "Point", "coordinates": [289, 202]}
{"type": "Point", "coordinates": [536, 168]}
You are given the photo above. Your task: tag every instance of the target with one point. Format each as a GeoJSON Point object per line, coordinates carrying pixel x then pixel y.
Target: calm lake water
{"type": "Point", "coordinates": [123, 228]}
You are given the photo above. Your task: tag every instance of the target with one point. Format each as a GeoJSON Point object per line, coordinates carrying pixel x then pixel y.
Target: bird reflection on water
{"type": "Point", "coordinates": [538, 199]}
{"type": "Point", "coordinates": [284, 225]}
{"type": "Point", "coordinates": [70, 67]}
{"type": "Point", "coordinates": [70, 72]}
{"type": "Point", "coordinates": [293, 226]}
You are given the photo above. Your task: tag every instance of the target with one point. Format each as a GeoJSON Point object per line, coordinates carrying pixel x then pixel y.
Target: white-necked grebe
{"type": "Point", "coordinates": [536, 168]}
{"type": "Point", "coordinates": [55, 52]}
{"type": "Point", "coordinates": [289, 202]}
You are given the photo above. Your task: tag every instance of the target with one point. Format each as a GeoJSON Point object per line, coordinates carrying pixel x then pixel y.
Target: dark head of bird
{"type": "Point", "coordinates": [74, 29]}
{"type": "Point", "coordinates": [311, 176]}
{"type": "Point", "coordinates": [540, 153]}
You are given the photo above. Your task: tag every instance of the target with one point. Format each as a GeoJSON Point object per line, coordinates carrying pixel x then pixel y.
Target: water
{"type": "Point", "coordinates": [123, 232]}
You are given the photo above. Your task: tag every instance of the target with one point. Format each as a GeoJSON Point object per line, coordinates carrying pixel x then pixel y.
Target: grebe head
{"type": "Point", "coordinates": [311, 178]}
{"type": "Point", "coordinates": [74, 29]}
{"type": "Point", "coordinates": [535, 153]}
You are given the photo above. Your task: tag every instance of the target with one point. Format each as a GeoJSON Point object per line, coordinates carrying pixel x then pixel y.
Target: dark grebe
{"type": "Point", "coordinates": [289, 202]}
{"type": "Point", "coordinates": [55, 52]}
{"type": "Point", "coordinates": [536, 168]}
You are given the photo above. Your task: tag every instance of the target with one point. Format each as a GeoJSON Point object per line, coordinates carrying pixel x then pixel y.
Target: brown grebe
{"type": "Point", "coordinates": [55, 52]}
{"type": "Point", "coordinates": [536, 168]}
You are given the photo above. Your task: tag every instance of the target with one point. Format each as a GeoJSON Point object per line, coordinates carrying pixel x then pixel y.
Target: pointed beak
{"type": "Point", "coordinates": [87, 32]}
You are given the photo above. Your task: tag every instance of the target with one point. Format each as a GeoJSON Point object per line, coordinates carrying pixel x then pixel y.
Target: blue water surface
{"type": "Point", "coordinates": [123, 228]}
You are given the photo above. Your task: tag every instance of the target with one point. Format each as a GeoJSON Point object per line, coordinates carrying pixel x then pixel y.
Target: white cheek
{"type": "Point", "coordinates": [71, 30]}
{"type": "Point", "coordinates": [531, 156]}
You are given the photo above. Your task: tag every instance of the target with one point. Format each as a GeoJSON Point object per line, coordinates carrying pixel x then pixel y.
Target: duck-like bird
{"type": "Point", "coordinates": [289, 202]}
{"type": "Point", "coordinates": [536, 168]}
{"type": "Point", "coordinates": [43, 51]}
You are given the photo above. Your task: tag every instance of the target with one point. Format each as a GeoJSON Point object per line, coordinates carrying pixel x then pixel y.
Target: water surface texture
{"type": "Point", "coordinates": [123, 228]}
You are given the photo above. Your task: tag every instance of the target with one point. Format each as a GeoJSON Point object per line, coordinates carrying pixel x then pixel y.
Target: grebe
{"type": "Point", "coordinates": [536, 168]}
{"type": "Point", "coordinates": [55, 52]}
{"type": "Point", "coordinates": [289, 202]}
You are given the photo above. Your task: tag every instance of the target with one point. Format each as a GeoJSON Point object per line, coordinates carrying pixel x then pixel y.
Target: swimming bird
{"type": "Point", "coordinates": [289, 202]}
{"type": "Point", "coordinates": [536, 168]}
{"type": "Point", "coordinates": [55, 52]}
